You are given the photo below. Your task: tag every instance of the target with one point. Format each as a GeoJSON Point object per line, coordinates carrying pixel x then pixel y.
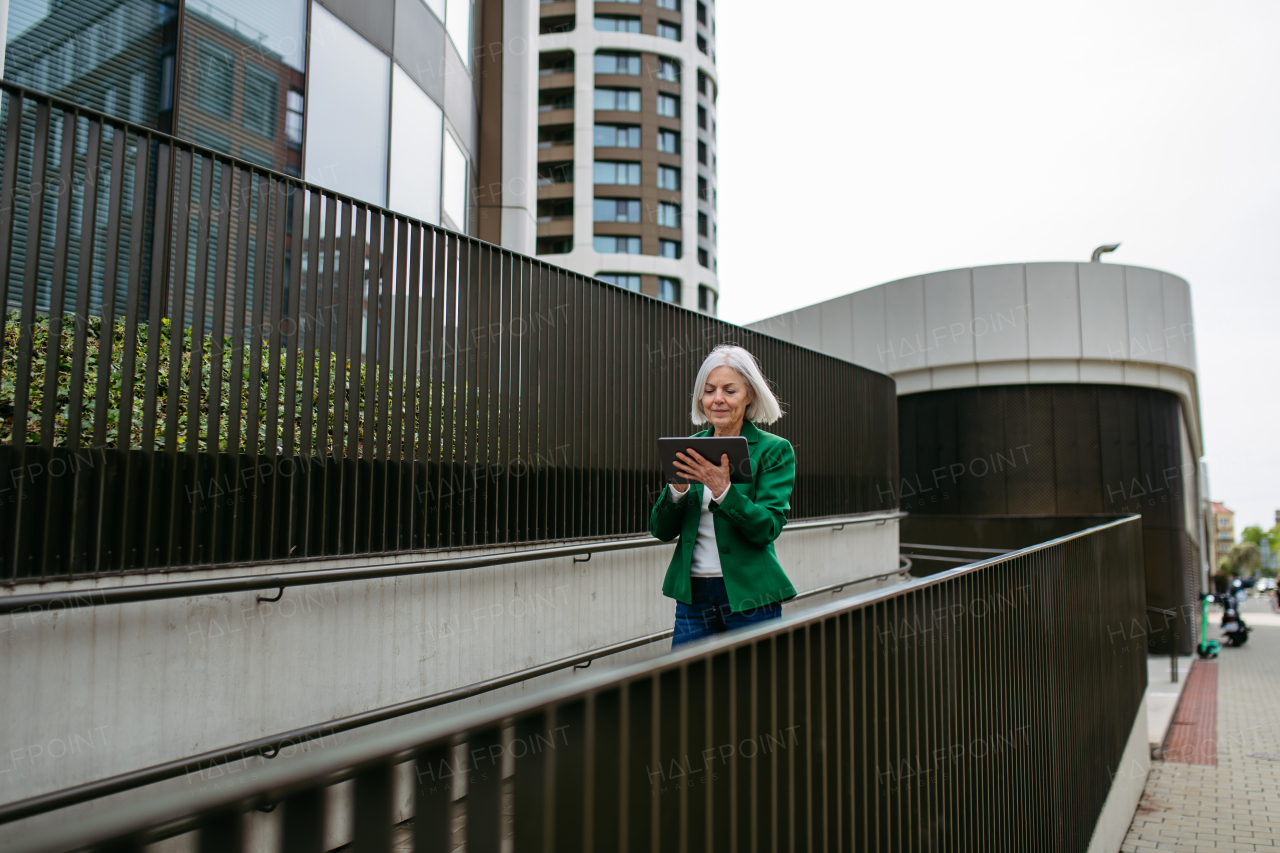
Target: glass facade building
{"type": "Point", "coordinates": [381, 100]}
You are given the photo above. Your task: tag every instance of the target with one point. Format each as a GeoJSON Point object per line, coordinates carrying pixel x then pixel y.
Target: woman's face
{"type": "Point", "coordinates": [725, 398]}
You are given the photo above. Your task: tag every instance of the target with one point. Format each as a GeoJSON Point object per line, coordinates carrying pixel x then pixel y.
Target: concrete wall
{"type": "Point", "coordinates": [91, 693]}
{"type": "Point", "coordinates": [1013, 324]}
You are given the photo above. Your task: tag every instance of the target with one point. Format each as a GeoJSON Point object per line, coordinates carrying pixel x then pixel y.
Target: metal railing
{"type": "Point", "coordinates": [206, 362]}
{"type": "Point", "coordinates": [71, 599]}
{"type": "Point", "coordinates": [986, 707]}
{"type": "Point", "coordinates": [271, 745]}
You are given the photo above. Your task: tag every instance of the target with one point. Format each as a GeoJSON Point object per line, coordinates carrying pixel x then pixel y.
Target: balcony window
{"type": "Point", "coordinates": [704, 258]}
{"type": "Point", "coordinates": [618, 63]}
{"type": "Point", "coordinates": [668, 178]}
{"type": "Point", "coordinates": [668, 215]}
{"type": "Point", "coordinates": [668, 31]}
{"type": "Point", "coordinates": [702, 117]}
{"type": "Point", "coordinates": [620, 100]}
{"type": "Point", "coordinates": [703, 220]}
{"type": "Point", "coordinates": [616, 136]}
{"type": "Point", "coordinates": [608, 244]}
{"type": "Point", "coordinates": [552, 135]}
{"type": "Point", "coordinates": [702, 152]}
{"type": "Point", "coordinates": [703, 192]}
{"type": "Point", "coordinates": [702, 43]}
{"type": "Point", "coordinates": [702, 83]}
{"type": "Point", "coordinates": [670, 5]}
{"type": "Point", "coordinates": [668, 106]}
{"type": "Point", "coordinates": [669, 289]}
{"type": "Point", "coordinates": [706, 299]}
{"type": "Point", "coordinates": [555, 63]}
{"type": "Point", "coordinates": [617, 24]}
{"type": "Point", "coordinates": [668, 142]}
{"type": "Point", "coordinates": [555, 99]}
{"type": "Point", "coordinates": [557, 209]}
{"type": "Point", "coordinates": [555, 245]}
{"type": "Point", "coordinates": [555, 173]}
{"type": "Point", "coordinates": [557, 24]}
{"type": "Point", "coordinates": [669, 249]}
{"type": "Point", "coordinates": [618, 279]}
{"type": "Point", "coordinates": [702, 13]}
{"type": "Point", "coordinates": [618, 174]}
{"type": "Point", "coordinates": [669, 70]}
{"type": "Point", "coordinates": [616, 210]}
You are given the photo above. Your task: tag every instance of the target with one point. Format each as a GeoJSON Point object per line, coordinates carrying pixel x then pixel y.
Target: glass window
{"type": "Point", "coordinates": [453, 196]}
{"type": "Point", "coordinates": [256, 155]}
{"type": "Point", "coordinates": [607, 244]}
{"type": "Point", "coordinates": [703, 257]}
{"type": "Point", "coordinates": [616, 210]}
{"type": "Point", "coordinates": [267, 41]}
{"type": "Point", "coordinates": [630, 282]}
{"type": "Point", "coordinates": [702, 12]}
{"type": "Point", "coordinates": [673, 5]}
{"type": "Point", "coordinates": [668, 31]}
{"type": "Point", "coordinates": [215, 85]}
{"type": "Point", "coordinates": [616, 136]}
{"type": "Point", "coordinates": [347, 113]}
{"type": "Point", "coordinates": [669, 289]}
{"type": "Point", "coordinates": [555, 173]}
{"type": "Point", "coordinates": [623, 174]}
{"type": "Point", "coordinates": [669, 106]}
{"type": "Point", "coordinates": [293, 120]}
{"type": "Point", "coordinates": [668, 178]}
{"type": "Point", "coordinates": [416, 127]}
{"type": "Point", "coordinates": [669, 248]}
{"type": "Point", "coordinates": [555, 99]}
{"type": "Point", "coordinates": [261, 96]}
{"type": "Point", "coordinates": [703, 221]}
{"type": "Point", "coordinates": [702, 44]}
{"type": "Point", "coordinates": [669, 70]}
{"type": "Point", "coordinates": [668, 215]}
{"type": "Point", "coordinates": [621, 100]}
{"type": "Point", "coordinates": [615, 24]}
{"type": "Point", "coordinates": [115, 57]}
{"type": "Point", "coordinates": [702, 83]}
{"type": "Point", "coordinates": [554, 245]}
{"type": "Point", "coordinates": [706, 299]}
{"type": "Point", "coordinates": [669, 141]}
{"type": "Point", "coordinates": [702, 152]}
{"type": "Point", "coordinates": [457, 21]}
{"type": "Point", "coordinates": [702, 117]}
{"type": "Point", "coordinates": [618, 63]}
{"type": "Point", "coordinates": [702, 188]}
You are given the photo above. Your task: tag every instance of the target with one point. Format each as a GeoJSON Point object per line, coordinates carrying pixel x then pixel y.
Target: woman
{"type": "Point", "coordinates": [724, 573]}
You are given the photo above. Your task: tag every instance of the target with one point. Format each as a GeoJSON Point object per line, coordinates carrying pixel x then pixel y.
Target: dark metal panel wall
{"type": "Point", "coordinates": [269, 371]}
{"type": "Point", "coordinates": [1060, 450]}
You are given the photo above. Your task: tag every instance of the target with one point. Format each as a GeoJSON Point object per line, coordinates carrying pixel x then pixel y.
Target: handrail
{"type": "Point", "coordinates": [70, 599]}
{"type": "Point", "coordinates": [173, 814]}
{"type": "Point", "coordinates": [54, 800]}
{"type": "Point", "coordinates": [954, 548]}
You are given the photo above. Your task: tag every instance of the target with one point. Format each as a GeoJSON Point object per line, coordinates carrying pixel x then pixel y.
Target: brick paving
{"type": "Point", "coordinates": [1193, 736]}
{"type": "Point", "coordinates": [1234, 805]}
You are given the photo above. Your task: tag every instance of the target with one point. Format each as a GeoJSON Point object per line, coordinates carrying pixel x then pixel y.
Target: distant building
{"type": "Point", "coordinates": [1224, 527]}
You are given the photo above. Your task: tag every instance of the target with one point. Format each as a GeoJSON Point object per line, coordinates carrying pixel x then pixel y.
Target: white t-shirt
{"type": "Point", "coordinates": [705, 562]}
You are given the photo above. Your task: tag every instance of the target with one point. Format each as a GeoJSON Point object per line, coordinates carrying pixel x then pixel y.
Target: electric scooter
{"type": "Point", "coordinates": [1233, 624]}
{"type": "Point", "coordinates": [1207, 648]}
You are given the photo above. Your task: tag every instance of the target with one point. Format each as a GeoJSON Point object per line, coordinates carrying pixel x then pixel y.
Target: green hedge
{"type": "Point", "coordinates": [42, 349]}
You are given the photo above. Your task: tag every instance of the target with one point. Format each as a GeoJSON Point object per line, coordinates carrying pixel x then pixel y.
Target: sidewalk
{"type": "Point", "coordinates": [1235, 804]}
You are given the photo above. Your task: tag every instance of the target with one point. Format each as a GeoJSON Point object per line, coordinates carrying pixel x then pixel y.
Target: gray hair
{"type": "Point", "coordinates": [764, 408]}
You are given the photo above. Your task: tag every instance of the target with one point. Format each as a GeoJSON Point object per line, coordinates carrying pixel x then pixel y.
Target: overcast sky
{"type": "Point", "coordinates": [864, 142]}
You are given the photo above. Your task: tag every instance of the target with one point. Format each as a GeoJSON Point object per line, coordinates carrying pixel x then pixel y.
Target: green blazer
{"type": "Point", "coordinates": [746, 522]}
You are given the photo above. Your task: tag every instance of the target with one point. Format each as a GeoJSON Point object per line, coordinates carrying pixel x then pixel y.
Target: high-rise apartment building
{"type": "Point", "coordinates": [627, 144]}
{"type": "Point", "coordinates": [422, 106]}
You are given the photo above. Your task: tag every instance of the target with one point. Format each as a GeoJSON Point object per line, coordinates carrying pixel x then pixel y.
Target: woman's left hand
{"type": "Point", "coordinates": [698, 469]}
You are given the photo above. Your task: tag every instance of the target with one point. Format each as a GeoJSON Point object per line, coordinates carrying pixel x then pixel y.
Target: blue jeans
{"type": "Point", "coordinates": [711, 613]}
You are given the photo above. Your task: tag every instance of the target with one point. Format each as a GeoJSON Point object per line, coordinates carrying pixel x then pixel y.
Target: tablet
{"type": "Point", "coordinates": [710, 448]}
